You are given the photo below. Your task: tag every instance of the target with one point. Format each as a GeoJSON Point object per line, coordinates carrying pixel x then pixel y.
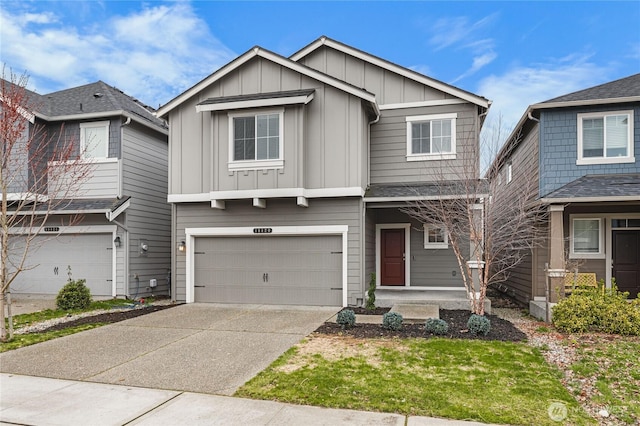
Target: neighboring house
{"type": "Point", "coordinates": [121, 245]}
{"type": "Point", "coordinates": [583, 150]}
{"type": "Point", "coordinates": [287, 176]}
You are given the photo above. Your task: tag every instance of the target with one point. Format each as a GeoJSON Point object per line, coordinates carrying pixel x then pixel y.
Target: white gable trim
{"type": "Point", "coordinates": [405, 72]}
{"type": "Point", "coordinates": [277, 59]}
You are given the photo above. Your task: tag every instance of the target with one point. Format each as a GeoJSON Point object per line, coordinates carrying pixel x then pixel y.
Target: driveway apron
{"type": "Point", "coordinates": [207, 348]}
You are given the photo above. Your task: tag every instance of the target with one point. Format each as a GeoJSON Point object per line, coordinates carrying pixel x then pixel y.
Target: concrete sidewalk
{"type": "Point", "coordinates": [26, 400]}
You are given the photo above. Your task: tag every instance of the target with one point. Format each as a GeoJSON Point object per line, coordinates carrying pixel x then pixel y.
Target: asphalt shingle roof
{"type": "Point", "coordinates": [622, 88]}
{"type": "Point", "coordinates": [591, 186]}
{"type": "Point", "coordinates": [421, 189]}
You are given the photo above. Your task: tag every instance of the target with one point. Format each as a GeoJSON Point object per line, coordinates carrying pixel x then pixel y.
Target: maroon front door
{"type": "Point", "coordinates": [392, 257]}
{"type": "Point", "coordinates": [626, 261]}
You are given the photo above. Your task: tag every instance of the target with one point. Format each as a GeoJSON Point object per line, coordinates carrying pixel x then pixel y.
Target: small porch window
{"type": "Point", "coordinates": [586, 238]}
{"type": "Point", "coordinates": [435, 237]}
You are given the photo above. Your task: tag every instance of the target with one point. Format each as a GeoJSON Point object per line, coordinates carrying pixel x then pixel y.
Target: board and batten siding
{"type": "Point", "coordinates": [324, 141]}
{"type": "Point", "coordinates": [389, 87]}
{"type": "Point", "coordinates": [18, 164]}
{"type": "Point", "coordinates": [389, 147]}
{"type": "Point", "coordinates": [321, 212]}
{"type": "Point", "coordinates": [148, 218]}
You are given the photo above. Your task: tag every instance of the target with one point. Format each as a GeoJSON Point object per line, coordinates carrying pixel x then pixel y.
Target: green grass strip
{"type": "Point", "coordinates": [22, 340]}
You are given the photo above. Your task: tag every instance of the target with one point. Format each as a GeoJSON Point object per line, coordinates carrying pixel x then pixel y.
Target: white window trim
{"type": "Point", "coordinates": [509, 172]}
{"type": "Point", "coordinates": [601, 241]}
{"type": "Point", "coordinates": [436, 156]}
{"type": "Point", "coordinates": [630, 158]}
{"type": "Point", "coordinates": [429, 245]}
{"type": "Point", "coordinates": [257, 164]}
{"type": "Point", "coordinates": [91, 125]}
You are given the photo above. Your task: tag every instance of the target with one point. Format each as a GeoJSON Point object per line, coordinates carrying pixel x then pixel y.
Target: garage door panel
{"type": "Point", "coordinates": [89, 256]}
{"type": "Point", "coordinates": [269, 269]}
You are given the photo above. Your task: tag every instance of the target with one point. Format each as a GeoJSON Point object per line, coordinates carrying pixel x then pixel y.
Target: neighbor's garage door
{"type": "Point", "coordinates": [89, 255]}
{"type": "Point", "coordinates": [291, 270]}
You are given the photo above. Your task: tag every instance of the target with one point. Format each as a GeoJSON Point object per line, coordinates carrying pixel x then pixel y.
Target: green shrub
{"type": "Point", "coordinates": [392, 321]}
{"type": "Point", "coordinates": [74, 295]}
{"type": "Point", "coordinates": [346, 318]}
{"type": "Point", "coordinates": [436, 326]}
{"type": "Point", "coordinates": [479, 324]}
{"type": "Point", "coordinates": [371, 293]}
{"type": "Point", "coordinates": [598, 310]}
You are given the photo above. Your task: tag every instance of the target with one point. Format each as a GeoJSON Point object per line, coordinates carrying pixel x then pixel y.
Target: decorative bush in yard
{"type": "Point", "coordinates": [601, 309]}
{"type": "Point", "coordinates": [346, 318]}
{"type": "Point", "coordinates": [478, 324]}
{"type": "Point", "coordinates": [392, 321]}
{"type": "Point", "coordinates": [436, 326]}
{"type": "Point", "coordinates": [371, 293]}
{"type": "Point", "coordinates": [74, 295]}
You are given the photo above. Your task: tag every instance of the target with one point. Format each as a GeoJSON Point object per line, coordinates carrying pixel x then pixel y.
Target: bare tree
{"type": "Point", "coordinates": [491, 225]}
{"type": "Point", "coordinates": [39, 174]}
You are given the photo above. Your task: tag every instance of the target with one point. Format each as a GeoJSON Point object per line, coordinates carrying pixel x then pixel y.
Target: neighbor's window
{"type": "Point", "coordinates": [435, 237]}
{"type": "Point", "coordinates": [256, 139]}
{"type": "Point", "coordinates": [431, 137]}
{"type": "Point", "coordinates": [586, 237]}
{"type": "Point", "coordinates": [605, 137]}
{"type": "Point", "coordinates": [94, 139]}
{"type": "Point", "coordinates": [509, 172]}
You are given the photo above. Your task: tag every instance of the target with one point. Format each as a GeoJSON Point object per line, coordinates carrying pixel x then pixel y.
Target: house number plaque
{"type": "Point", "coordinates": [262, 230]}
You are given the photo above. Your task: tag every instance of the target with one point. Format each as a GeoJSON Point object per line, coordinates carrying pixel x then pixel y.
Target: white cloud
{"type": "Point", "coordinates": [152, 54]}
{"type": "Point", "coordinates": [513, 91]}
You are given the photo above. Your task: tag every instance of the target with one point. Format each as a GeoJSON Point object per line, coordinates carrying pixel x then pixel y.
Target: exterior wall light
{"type": "Point", "coordinates": [182, 247]}
{"type": "Point", "coordinates": [117, 242]}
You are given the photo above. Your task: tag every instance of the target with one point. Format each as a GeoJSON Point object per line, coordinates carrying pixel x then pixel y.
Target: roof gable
{"type": "Point", "coordinates": [627, 87]}
{"type": "Point", "coordinates": [390, 66]}
{"type": "Point", "coordinates": [277, 59]}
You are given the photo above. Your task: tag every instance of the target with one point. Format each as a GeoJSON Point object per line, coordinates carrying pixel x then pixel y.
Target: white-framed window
{"type": "Point", "coordinates": [587, 237]}
{"type": "Point", "coordinates": [256, 139]}
{"type": "Point", "coordinates": [94, 139]}
{"type": "Point", "coordinates": [431, 137]}
{"type": "Point", "coordinates": [509, 172]}
{"type": "Point", "coordinates": [605, 138]}
{"type": "Point", "coordinates": [435, 237]}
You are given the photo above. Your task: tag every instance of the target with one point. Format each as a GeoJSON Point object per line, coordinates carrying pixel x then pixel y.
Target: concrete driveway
{"type": "Point", "coordinates": [207, 348]}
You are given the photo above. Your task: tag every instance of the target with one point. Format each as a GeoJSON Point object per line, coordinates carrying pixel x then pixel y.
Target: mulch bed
{"type": "Point", "coordinates": [501, 329]}
{"type": "Point", "coordinates": [109, 317]}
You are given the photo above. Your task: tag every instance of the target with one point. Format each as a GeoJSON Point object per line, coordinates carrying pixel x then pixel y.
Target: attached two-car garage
{"type": "Point", "coordinates": [282, 266]}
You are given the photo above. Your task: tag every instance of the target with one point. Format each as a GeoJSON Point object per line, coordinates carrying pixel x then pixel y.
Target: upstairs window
{"type": "Point", "coordinates": [605, 138]}
{"type": "Point", "coordinates": [255, 140]}
{"type": "Point", "coordinates": [431, 137]}
{"type": "Point", "coordinates": [94, 139]}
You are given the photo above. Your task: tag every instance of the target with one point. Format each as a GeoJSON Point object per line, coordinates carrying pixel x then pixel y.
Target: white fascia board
{"type": "Point", "coordinates": [104, 114]}
{"type": "Point", "coordinates": [437, 102]}
{"type": "Point", "coordinates": [590, 199]}
{"type": "Point", "coordinates": [354, 191]}
{"type": "Point", "coordinates": [111, 215]}
{"type": "Point", "coordinates": [417, 198]}
{"type": "Point", "coordinates": [294, 100]}
{"type": "Point", "coordinates": [405, 72]}
{"type": "Point", "coordinates": [89, 229]}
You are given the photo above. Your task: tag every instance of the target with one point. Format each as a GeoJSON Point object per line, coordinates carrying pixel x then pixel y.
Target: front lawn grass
{"type": "Point", "coordinates": [21, 340]}
{"type": "Point", "coordinates": [613, 368]}
{"type": "Point", "coordinates": [491, 382]}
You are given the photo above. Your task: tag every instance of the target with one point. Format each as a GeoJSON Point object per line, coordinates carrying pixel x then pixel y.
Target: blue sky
{"type": "Point", "coordinates": [513, 53]}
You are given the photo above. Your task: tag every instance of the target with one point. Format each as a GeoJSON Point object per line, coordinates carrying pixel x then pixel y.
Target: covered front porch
{"type": "Point", "coordinates": [413, 262]}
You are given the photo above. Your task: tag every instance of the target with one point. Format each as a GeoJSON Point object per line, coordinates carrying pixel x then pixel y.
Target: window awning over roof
{"type": "Point", "coordinates": [290, 97]}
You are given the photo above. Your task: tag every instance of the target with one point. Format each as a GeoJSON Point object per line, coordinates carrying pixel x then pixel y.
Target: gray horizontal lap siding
{"type": "Point", "coordinates": [145, 179]}
{"type": "Point", "coordinates": [389, 147]}
{"type": "Point", "coordinates": [559, 147]}
{"type": "Point", "coordinates": [279, 212]}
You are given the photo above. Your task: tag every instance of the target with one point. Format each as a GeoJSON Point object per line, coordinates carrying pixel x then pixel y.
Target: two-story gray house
{"type": "Point", "coordinates": [287, 175]}
{"type": "Point", "coordinates": [582, 149]}
{"type": "Point", "coordinates": [121, 242]}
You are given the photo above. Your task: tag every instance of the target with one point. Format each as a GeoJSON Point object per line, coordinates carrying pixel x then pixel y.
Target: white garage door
{"type": "Point", "coordinates": [90, 258]}
{"type": "Point", "coordinates": [291, 270]}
